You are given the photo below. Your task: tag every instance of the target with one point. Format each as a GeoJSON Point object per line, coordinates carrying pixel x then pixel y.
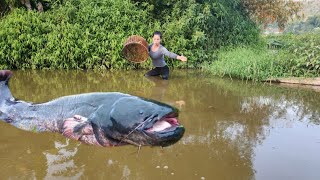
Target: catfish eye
{"type": "Point", "coordinates": [141, 112]}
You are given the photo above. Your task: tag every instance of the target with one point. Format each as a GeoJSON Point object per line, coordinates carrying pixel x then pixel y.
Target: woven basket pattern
{"type": "Point", "coordinates": [135, 49]}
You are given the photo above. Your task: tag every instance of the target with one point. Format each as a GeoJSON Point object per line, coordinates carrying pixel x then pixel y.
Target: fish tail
{"type": "Point", "coordinates": [5, 93]}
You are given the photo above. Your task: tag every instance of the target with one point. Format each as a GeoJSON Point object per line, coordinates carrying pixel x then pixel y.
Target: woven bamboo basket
{"type": "Point", "coordinates": [135, 49]}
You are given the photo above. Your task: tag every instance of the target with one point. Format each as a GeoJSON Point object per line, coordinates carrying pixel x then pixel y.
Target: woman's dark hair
{"type": "Point", "coordinates": [157, 33]}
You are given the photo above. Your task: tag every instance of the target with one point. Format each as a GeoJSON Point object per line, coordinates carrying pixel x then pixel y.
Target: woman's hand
{"type": "Point", "coordinates": [182, 58]}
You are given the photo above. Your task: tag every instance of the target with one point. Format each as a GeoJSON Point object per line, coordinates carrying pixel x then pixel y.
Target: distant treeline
{"type": "Point", "coordinates": [312, 23]}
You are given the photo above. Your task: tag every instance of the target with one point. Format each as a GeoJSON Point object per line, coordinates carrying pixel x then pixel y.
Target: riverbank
{"type": "Point", "coordinates": [300, 83]}
{"type": "Point", "coordinates": [274, 57]}
{"type": "Point", "coordinates": [296, 80]}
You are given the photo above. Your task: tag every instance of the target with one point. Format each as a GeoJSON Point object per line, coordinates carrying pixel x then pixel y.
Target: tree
{"type": "Point", "coordinates": [271, 11]}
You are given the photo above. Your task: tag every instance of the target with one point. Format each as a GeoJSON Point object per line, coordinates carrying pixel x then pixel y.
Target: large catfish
{"type": "Point", "coordinates": [103, 119]}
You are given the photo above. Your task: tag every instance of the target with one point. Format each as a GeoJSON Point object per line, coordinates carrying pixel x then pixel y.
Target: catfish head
{"type": "Point", "coordinates": [138, 121]}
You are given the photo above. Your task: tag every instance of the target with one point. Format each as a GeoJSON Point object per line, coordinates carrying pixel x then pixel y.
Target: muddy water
{"type": "Point", "coordinates": [234, 130]}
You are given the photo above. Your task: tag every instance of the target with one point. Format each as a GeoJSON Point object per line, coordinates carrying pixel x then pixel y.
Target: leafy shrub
{"type": "Point", "coordinates": [79, 34]}
{"type": "Point", "coordinates": [303, 53]}
{"type": "Point", "coordinates": [197, 28]}
{"type": "Point", "coordinates": [89, 34]}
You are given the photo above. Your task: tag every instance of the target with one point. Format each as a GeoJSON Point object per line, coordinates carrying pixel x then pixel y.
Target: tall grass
{"type": "Point", "coordinates": [293, 55]}
{"type": "Point", "coordinates": [244, 63]}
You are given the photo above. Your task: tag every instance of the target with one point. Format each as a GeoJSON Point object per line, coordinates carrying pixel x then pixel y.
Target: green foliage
{"type": "Point", "coordinates": [79, 34]}
{"type": "Point", "coordinates": [302, 54]}
{"type": "Point", "coordinates": [246, 63]}
{"type": "Point", "coordinates": [89, 34]}
{"type": "Point", "coordinates": [274, 56]}
{"type": "Point", "coordinates": [197, 27]}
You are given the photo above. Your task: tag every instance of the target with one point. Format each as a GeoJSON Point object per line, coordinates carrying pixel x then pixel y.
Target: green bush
{"type": "Point", "coordinates": [275, 56]}
{"type": "Point", "coordinates": [89, 34]}
{"type": "Point", "coordinates": [78, 34]}
{"type": "Point", "coordinates": [198, 28]}
{"type": "Point", "coordinates": [302, 53]}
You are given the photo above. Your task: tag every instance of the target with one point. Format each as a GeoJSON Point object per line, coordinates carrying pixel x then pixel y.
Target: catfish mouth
{"type": "Point", "coordinates": [166, 124]}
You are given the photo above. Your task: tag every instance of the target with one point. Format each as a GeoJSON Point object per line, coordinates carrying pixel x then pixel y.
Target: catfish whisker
{"type": "Point", "coordinates": [142, 123]}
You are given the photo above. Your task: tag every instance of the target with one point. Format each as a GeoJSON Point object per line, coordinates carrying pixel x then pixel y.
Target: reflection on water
{"type": "Point", "coordinates": [60, 161]}
{"type": "Point", "coordinates": [234, 130]}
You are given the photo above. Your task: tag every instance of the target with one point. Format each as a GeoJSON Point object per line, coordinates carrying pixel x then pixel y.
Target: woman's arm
{"type": "Point", "coordinates": [173, 55]}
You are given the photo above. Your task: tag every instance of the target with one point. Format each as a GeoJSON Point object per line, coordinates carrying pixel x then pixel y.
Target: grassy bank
{"type": "Point", "coordinates": [243, 63]}
{"type": "Point", "coordinates": [286, 55]}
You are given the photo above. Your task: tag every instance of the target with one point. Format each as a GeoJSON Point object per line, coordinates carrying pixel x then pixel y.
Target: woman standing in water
{"type": "Point", "coordinates": [157, 52]}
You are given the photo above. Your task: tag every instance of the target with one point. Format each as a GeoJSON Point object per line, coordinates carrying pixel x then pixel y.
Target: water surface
{"type": "Point", "coordinates": [234, 130]}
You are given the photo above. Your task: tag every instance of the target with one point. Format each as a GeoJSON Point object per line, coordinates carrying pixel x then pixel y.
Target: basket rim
{"type": "Point", "coordinates": [135, 43]}
{"type": "Point", "coordinates": [140, 38]}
